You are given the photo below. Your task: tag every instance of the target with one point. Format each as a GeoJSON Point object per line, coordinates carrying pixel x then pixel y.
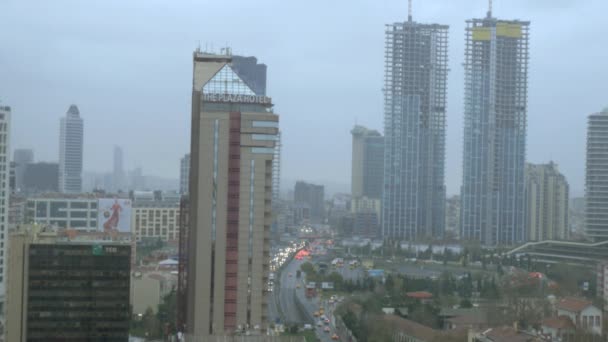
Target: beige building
{"type": "Point", "coordinates": [232, 144]}
{"type": "Point", "coordinates": [149, 288]}
{"type": "Point", "coordinates": [546, 203]}
{"type": "Point", "coordinates": [156, 220]}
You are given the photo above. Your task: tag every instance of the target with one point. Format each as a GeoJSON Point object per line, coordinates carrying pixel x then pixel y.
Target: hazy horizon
{"type": "Point", "coordinates": [128, 67]}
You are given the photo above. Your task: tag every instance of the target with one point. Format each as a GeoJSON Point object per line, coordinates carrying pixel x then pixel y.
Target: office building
{"type": "Point", "coordinates": [67, 291]}
{"type": "Point", "coordinates": [546, 205]}
{"type": "Point", "coordinates": [70, 152]}
{"type": "Point", "coordinates": [5, 138]}
{"type": "Point", "coordinates": [184, 174]}
{"type": "Point", "coordinates": [367, 163]}
{"type": "Point", "coordinates": [416, 68]}
{"type": "Point", "coordinates": [596, 180]}
{"type": "Point", "coordinates": [137, 179]}
{"type": "Point", "coordinates": [311, 196]}
{"type": "Point", "coordinates": [12, 177]}
{"type": "Point", "coordinates": [71, 212]}
{"type": "Point", "coordinates": [118, 174]}
{"type": "Point", "coordinates": [41, 177]}
{"type": "Point", "coordinates": [276, 170]}
{"type": "Point", "coordinates": [21, 157]}
{"type": "Point", "coordinates": [156, 219]}
{"type": "Point", "coordinates": [232, 147]}
{"type": "Point", "coordinates": [496, 90]}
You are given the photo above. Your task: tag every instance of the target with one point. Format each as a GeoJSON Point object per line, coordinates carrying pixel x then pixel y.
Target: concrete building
{"type": "Point", "coordinates": [61, 291]}
{"type": "Point", "coordinates": [184, 174]}
{"type": "Point", "coordinates": [41, 177]}
{"type": "Point", "coordinates": [233, 137]}
{"type": "Point", "coordinates": [496, 88]}
{"type": "Point", "coordinates": [582, 313]}
{"type": "Point", "coordinates": [21, 157]}
{"type": "Point", "coordinates": [70, 152]}
{"type": "Point", "coordinates": [415, 79]}
{"type": "Point", "coordinates": [596, 180]}
{"type": "Point", "coordinates": [73, 212]}
{"type": "Point", "coordinates": [313, 197]}
{"type": "Point", "coordinates": [118, 173]}
{"type": "Point", "coordinates": [5, 138]}
{"type": "Point", "coordinates": [367, 163]}
{"type": "Point", "coordinates": [149, 288]}
{"type": "Point", "coordinates": [546, 206]}
{"type": "Point", "coordinates": [156, 220]}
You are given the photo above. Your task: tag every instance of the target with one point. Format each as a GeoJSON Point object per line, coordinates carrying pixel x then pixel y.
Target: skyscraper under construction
{"type": "Point", "coordinates": [496, 88]}
{"type": "Point", "coordinates": [413, 200]}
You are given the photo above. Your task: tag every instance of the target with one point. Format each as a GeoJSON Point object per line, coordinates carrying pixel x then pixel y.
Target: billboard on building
{"type": "Point", "coordinates": [114, 215]}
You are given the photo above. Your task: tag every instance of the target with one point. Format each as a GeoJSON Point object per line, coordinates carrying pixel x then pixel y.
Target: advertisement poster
{"type": "Point", "coordinates": [114, 215]}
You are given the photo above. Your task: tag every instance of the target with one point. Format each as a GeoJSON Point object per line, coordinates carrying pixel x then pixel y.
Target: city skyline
{"type": "Point", "coordinates": [546, 85]}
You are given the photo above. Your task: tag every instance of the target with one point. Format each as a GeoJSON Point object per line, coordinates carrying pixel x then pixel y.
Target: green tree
{"type": "Point", "coordinates": [151, 324]}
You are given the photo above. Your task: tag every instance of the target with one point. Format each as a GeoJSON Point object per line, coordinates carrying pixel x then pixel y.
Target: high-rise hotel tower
{"type": "Point", "coordinates": [234, 132]}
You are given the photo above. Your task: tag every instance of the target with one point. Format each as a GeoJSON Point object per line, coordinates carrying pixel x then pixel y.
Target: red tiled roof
{"type": "Point", "coordinates": [573, 304]}
{"type": "Point", "coordinates": [561, 322]}
{"type": "Point", "coordinates": [420, 295]}
{"type": "Point", "coordinates": [508, 334]}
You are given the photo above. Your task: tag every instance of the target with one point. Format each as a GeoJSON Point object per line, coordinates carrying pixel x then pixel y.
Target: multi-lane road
{"type": "Point", "coordinates": [299, 310]}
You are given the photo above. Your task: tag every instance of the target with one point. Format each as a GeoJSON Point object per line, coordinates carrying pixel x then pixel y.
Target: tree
{"type": "Point", "coordinates": [307, 268]}
{"type": "Point", "coordinates": [466, 304]}
{"type": "Point", "coordinates": [151, 324]}
{"type": "Point", "coordinates": [167, 311]}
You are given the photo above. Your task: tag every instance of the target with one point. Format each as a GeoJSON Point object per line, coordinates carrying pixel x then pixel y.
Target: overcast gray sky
{"type": "Point", "coordinates": [127, 65]}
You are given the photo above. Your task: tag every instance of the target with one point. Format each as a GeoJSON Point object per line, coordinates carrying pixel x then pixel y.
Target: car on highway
{"type": "Point", "coordinates": [326, 329]}
{"type": "Point", "coordinates": [335, 337]}
{"type": "Point", "coordinates": [326, 321]}
{"type": "Point", "coordinates": [298, 286]}
{"type": "Point", "coordinates": [316, 314]}
{"type": "Point", "coordinates": [320, 323]}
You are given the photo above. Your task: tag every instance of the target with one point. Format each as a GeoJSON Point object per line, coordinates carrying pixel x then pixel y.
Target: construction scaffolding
{"type": "Point", "coordinates": [415, 81]}
{"type": "Point", "coordinates": [496, 79]}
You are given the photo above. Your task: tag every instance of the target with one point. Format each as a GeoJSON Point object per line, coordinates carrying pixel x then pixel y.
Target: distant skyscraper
{"type": "Point", "coordinates": [596, 180]}
{"type": "Point", "coordinates": [367, 163]}
{"type": "Point", "coordinates": [137, 179]}
{"type": "Point", "coordinates": [21, 157]}
{"type": "Point", "coordinates": [5, 138]}
{"type": "Point", "coordinates": [313, 196]}
{"type": "Point", "coordinates": [184, 174]}
{"type": "Point", "coordinates": [118, 174]}
{"type": "Point", "coordinates": [496, 90]}
{"type": "Point", "coordinates": [232, 146]}
{"type": "Point", "coordinates": [251, 72]}
{"type": "Point", "coordinates": [546, 205]}
{"type": "Point", "coordinates": [70, 152]}
{"type": "Point", "coordinates": [416, 68]}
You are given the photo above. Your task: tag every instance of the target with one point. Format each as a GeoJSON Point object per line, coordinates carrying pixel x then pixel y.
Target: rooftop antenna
{"type": "Point", "coordinates": [489, 8]}
{"type": "Point", "coordinates": [409, 10]}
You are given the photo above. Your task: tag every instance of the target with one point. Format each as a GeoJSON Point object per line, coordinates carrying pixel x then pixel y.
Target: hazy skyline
{"type": "Point", "coordinates": [128, 67]}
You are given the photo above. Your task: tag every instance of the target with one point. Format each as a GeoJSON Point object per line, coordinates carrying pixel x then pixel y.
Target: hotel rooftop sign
{"type": "Point", "coordinates": [237, 98]}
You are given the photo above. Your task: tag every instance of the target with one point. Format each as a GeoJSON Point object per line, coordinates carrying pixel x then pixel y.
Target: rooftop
{"type": "Point", "coordinates": [573, 304]}
{"type": "Point", "coordinates": [561, 322]}
{"type": "Point", "coordinates": [420, 295]}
